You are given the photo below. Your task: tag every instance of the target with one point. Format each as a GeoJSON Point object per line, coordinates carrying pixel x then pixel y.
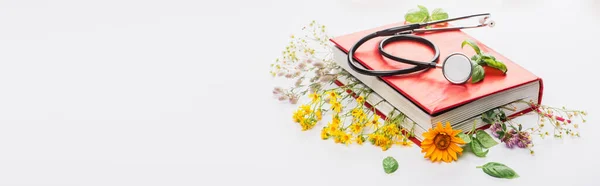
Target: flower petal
{"type": "Point", "coordinates": [427, 142]}
{"type": "Point", "coordinates": [429, 152]}
{"type": "Point", "coordinates": [435, 155]}
{"type": "Point", "coordinates": [457, 140]}
{"type": "Point", "coordinates": [456, 148]}
{"type": "Point", "coordinates": [430, 134]}
{"type": "Point", "coordinates": [452, 154]}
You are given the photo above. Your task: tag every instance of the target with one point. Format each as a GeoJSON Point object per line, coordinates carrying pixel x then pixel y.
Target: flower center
{"type": "Point", "coordinates": [442, 141]}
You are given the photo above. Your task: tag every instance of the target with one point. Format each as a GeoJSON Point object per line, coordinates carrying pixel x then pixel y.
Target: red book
{"type": "Point", "coordinates": [432, 97]}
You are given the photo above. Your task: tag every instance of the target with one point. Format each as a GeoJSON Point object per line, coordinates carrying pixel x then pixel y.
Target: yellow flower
{"type": "Point", "coordinates": [360, 100]}
{"type": "Point", "coordinates": [324, 134]}
{"type": "Point", "coordinates": [375, 121]}
{"type": "Point", "coordinates": [356, 128]}
{"type": "Point", "coordinates": [319, 116]}
{"type": "Point", "coordinates": [404, 142]}
{"type": "Point", "coordinates": [360, 139]}
{"type": "Point", "coordinates": [336, 107]}
{"type": "Point", "coordinates": [440, 143]}
{"type": "Point", "coordinates": [333, 95]}
{"type": "Point", "coordinates": [344, 138]}
{"type": "Point", "coordinates": [314, 97]}
{"type": "Point", "coordinates": [391, 130]}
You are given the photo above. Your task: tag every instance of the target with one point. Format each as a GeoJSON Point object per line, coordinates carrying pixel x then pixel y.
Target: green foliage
{"type": "Point", "coordinates": [478, 140]}
{"type": "Point", "coordinates": [390, 165]}
{"type": "Point", "coordinates": [499, 170]}
{"type": "Point", "coordinates": [421, 15]}
{"type": "Point", "coordinates": [482, 59]}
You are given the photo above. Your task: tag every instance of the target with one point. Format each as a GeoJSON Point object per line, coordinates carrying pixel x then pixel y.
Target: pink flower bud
{"type": "Point", "coordinates": [277, 90]}
{"type": "Point", "coordinates": [289, 75]}
{"type": "Point", "coordinates": [298, 82]}
{"type": "Point", "coordinates": [319, 64]}
{"type": "Point", "coordinates": [281, 98]}
{"type": "Point", "coordinates": [326, 78]}
{"type": "Point", "coordinates": [294, 100]}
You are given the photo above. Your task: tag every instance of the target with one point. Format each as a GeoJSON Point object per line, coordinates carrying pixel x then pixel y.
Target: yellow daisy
{"type": "Point", "coordinates": [441, 143]}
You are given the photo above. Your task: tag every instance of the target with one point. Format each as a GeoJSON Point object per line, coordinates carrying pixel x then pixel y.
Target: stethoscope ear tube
{"type": "Point", "coordinates": [418, 65]}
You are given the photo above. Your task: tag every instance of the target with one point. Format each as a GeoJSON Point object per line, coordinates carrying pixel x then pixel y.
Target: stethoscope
{"type": "Point", "coordinates": [456, 68]}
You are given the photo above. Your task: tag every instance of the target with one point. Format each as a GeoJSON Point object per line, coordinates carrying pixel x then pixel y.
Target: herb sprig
{"type": "Point", "coordinates": [482, 59]}
{"type": "Point", "coordinates": [479, 141]}
{"type": "Point", "coordinates": [421, 14]}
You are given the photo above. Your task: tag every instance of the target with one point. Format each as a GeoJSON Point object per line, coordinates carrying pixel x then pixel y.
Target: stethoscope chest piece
{"type": "Point", "coordinates": [457, 68]}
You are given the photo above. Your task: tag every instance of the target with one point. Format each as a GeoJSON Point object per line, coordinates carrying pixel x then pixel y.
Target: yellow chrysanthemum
{"type": "Point", "coordinates": [314, 97]}
{"type": "Point", "coordinates": [360, 139]}
{"type": "Point", "coordinates": [336, 107]}
{"type": "Point", "coordinates": [356, 128]}
{"type": "Point", "coordinates": [440, 143]}
{"type": "Point", "coordinates": [375, 122]}
{"type": "Point", "coordinates": [319, 115]}
{"type": "Point", "coordinates": [324, 134]}
{"type": "Point", "coordinates": [360, 100]}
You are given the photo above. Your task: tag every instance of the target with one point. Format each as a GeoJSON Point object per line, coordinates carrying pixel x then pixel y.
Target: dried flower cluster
{"type": "Point", "coordinates": [513, 135]}
{"type": "Point", "coordinates": [308, 63]}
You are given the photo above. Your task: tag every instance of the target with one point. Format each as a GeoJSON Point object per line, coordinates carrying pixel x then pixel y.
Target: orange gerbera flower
{"type": "Point", "coordinates": [440, 143]}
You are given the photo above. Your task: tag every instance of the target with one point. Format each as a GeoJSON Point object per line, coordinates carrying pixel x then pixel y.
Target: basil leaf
{"type": "Point", "coordinates": [476, 59]}
{"type": "Point", "coordinates": [486, 120]}
{"type": "Point", "coordinates": [477, 148]}
{"type": "Point", "coordinates": [495, 64]}
{"type": "Point", "coordinates": [503, 127]}
{"type": "Point", "coordinates": [485, 139]}
{"type": "Point", "coordinates": [520, 127]}
{"type": "Point", "coordinates": [472, 44]}
{"type": "Point", "coordinates": [500, 134]}
{"type": "Point", "coordinates": [390, 165]}
{"type": "Point", "coordinates": [488, 56]}
{"type": "Point", "coordinates": [478, 73]}
{"type": "Point", "coordinates": [502, 115]}
{"type": "Point", "coordinates": [417, 15]}
{"type": "Point", "coordinates": [438, 14]}
{"type": "Point", "coordinates": [464, 137]}
{"type": "Point", "coordinates": [499, 170]}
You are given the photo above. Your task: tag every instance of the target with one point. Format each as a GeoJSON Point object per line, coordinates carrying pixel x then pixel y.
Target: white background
{"type": "Point", "coordinates": [177, 92]}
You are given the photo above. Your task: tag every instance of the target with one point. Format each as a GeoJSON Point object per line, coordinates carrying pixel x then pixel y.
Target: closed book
{"type": "Point", "coordinates": [426, 97]}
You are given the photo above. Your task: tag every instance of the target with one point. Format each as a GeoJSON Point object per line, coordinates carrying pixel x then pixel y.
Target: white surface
{"type": "Point", "coordinates": [134, 92]}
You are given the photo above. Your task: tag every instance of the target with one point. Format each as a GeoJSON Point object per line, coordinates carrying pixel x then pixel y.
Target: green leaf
{"type": "Point", "coordinates": [464, 137]}
{"type": "Point", "coordinates": [499, 170]}
{"type": "Point", "coordinates": [390, 165]}
{"type": "Point", "coordinates": [503, 126]}
{"type": "Point", "coordinates": [476, 59]}
{"type": "Point", "coordinates": [485, 139]}
{"type": "Point", "coordinates": [477, 148]}
{"type": "Point", "coordinates": [478, 73]}
{"type": "Point", "coordinates": [419, 15]}
{"type": "Point", "coordinates": [502, 115]}
{"type": "Point", "coordinates": [438, 14]}
{"type": "Point", "coordinates": [520, 127]}
{"type": "Point", "coordinates": [501, 134]}
{"type": "Point", "coordinates": [472, 44]}
{"type": "Point", "coordinates": [486, 120]}
{"type": "Point", "coordinates": [495, 64]}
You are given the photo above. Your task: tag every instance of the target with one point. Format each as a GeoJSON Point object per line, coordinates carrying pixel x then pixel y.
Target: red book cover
{"type": "Point", "coordinates": [429, 89]}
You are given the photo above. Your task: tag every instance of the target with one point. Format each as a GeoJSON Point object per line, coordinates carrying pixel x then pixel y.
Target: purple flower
{"type": "Point", "coordinates": [495, 128]}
